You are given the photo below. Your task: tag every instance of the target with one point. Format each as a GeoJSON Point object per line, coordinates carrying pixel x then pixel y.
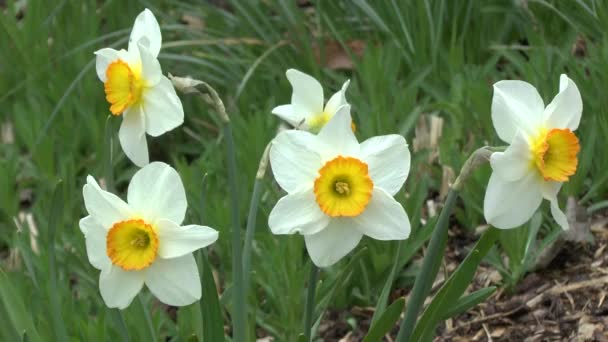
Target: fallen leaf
{"type": "Point", "coordinates": [335, 56]}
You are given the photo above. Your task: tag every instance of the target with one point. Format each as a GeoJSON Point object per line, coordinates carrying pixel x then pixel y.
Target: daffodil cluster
{"type": "Point", "coordinates": [141, 241]}
{"type": "Point", "coordinates": [337, 190]}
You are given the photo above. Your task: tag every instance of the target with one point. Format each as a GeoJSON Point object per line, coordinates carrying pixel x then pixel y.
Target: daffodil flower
{"type": "Point", "coordinates": [338, 189]}
{"type": "Point", "coordinates": [542, 154]}
{"type": "Point", "coordinates": [306, 110]}
{"type": "Point", "coordinates": [142, 242]}
{"type": "Point", "coordinates": [136, 88]}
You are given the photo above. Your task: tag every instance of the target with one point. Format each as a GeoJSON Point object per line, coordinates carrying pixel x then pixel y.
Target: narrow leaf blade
{"type": "Point", "coordinates": [386, 322]}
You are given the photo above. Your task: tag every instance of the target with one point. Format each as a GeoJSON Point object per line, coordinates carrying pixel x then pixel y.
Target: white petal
{"type": "Point", "coordinates": [157, 192]}
{"type": "Point", "coordinates": [337, 100]}
{"type": "Point", "coordinates": [550, 190]}
{"type": "Point", "coordinates": [95, 239]}
{"type": "Point", "coordinates": [383, 218]}
{"type": "Point", "coordinates": [118, 287]}
{"type": "Point", "coordinates": [103, 58]}
{"type": "Point", "coordinates": [297, 212]}
{"type": "Point", "coordinates": [132, 136]}
{"type": "Point", "coordinates": [132, 57]}
{"type": "Point", "coordinates": [307, 96]}
{"type": "Point", "coordinates": [105, 207]}
{"type": "Point", "coordinates": [513, 163]}
{"type": "Point", "coordinates": [150, 67]}
{"type": "Point", "coordinates": [516, 105]}
{"type": "Point", "coordinates": [567, 106]}
{"type": "Point", "coordinates": [146, 27]}
{"type": "Point", "coordinates": [511, 204]}
{"type": "Point", "coordinates": [338, 135]}
{"type": "Point", "coordinates": [162, 108]}
{"type": "Point", "coordinates": [176, 241]}
{"type": "Point", "coordinates": [332, 243]}
{"type": "Point", "coordinates": [287, 113]}
{"type": "Point", "coordinates": [294, 159]}
{"type": "Point", "coordinates": [388, 160]}
{"type": "Point", "coordinates": [175, 281]}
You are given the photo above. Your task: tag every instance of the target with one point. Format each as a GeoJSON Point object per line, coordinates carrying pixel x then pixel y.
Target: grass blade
{"type": "Point", "coordinates": [59, 105]}
{"type": "Point", "coordinates": [239, 306]}
{"type": "Point", "coordinates": [19, 317]}
{"type": "Point", "coordinates": [252, 217]}
{"type": "Point", "coordinates": [147, 317]}
{"type": "Point", "coordinates": [54, 219]}
{"type": "Point", "coordinates": [382, 300]}
{"type": "Point", "coordinates": [431, 263]}
{"type": "Point", "coordinates": [467, 302]}
{"type": "Point", "coordinates": [210, 305]}
{"type": "Point", "coordinates": [386, 322]}
{"type": "Point", "coordinates": [455, 286]}
{"type": "Point", "coordinates": [310, 301]}
{"type": "Point", "coordinates": [121, 324]}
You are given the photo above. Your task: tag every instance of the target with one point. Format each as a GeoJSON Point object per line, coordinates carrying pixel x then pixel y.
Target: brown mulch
{"type": "Point", "coordinates": [564, 301]}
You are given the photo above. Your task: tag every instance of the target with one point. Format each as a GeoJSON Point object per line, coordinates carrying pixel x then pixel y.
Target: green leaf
{"type": "Point", "coordinates": [407, 248]}
{"type": "Point", "coordinates": [210, 306]}
{"type": "Point", "coordinates": [530, 251]}
{"type": "Point", "coordinates": [430, 265]}
{"type": "Point", "coordinates": [108, 150]}
{"type": "Point", "coordinates": [145, 313]}
{"type": "Point", "coordinates": [19, 317]}
{"type": "Point", "coordinates": [120, 324]}
{"type": "Point", "coordinates": [325, 298]}
{"type": "Point", "coordinates": [468, 301]}
{"type": "Point", "coordinates": [55, 219]}
{"type": "Point", "coordinates": [386, 322]}
{"type": "Point", "coordinates": [372, 14]}
{"type": "Point", "coordinates": [454, 287]}
{"type": "Point", "coordinates": [382, 300]}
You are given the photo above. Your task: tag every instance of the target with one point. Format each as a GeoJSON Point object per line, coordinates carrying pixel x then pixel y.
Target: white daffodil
{"type": "Point", "coordinates": [542, 153]}
{"type": "Point", "coordinates": [136, 88]}
{"type": "Point", "coordinates": [306, 110]}
{"type": "Point", "coordinates": [337, 189]}
{"type": "Point", "coordinates": [142, 242]}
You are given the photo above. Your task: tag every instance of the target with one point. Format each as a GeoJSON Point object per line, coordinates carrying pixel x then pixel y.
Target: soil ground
{"type": "Point", "coordinates": [565, 301]}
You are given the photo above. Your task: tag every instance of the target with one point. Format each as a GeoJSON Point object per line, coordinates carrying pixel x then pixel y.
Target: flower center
{"type": "Point", "coordinates": [123, 86]}
{"type": "Point", "coordinates": [554, 154]}
{"type": "Point", "coordinates": [316, 122]}
{"type": "Point", "coordinates": [343, 187]}
{"type": "Point", "coordinates": [132, 244]}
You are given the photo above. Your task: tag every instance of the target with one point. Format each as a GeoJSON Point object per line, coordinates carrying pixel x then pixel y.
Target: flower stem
{"type": "Point", "coordinates": [434, 253]}
{"type": "Point", "coordinates": [108, 158]}
{"type": "Point", "coordinates": [251, 218]}
{"type": "Point", "coordinates": [211, 97]}
{"type": "Point", "coordinates": [238, 312]}
{"type": "Point", "coordinates": [430, 267]}
{"type": "Point", "coordinates": [310, 301]}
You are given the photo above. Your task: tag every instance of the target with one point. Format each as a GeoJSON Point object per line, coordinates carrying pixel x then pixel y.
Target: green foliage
{"type": "Point", "coordinates": [386, 321]}
{"type": "Point", "coordinates": [420, 57]}
{"type": "Point", "coordinates": [448, 298]}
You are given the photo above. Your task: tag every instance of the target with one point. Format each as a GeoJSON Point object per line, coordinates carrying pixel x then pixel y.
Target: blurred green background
{"type": "Point", "coordinates": [420, 68]}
